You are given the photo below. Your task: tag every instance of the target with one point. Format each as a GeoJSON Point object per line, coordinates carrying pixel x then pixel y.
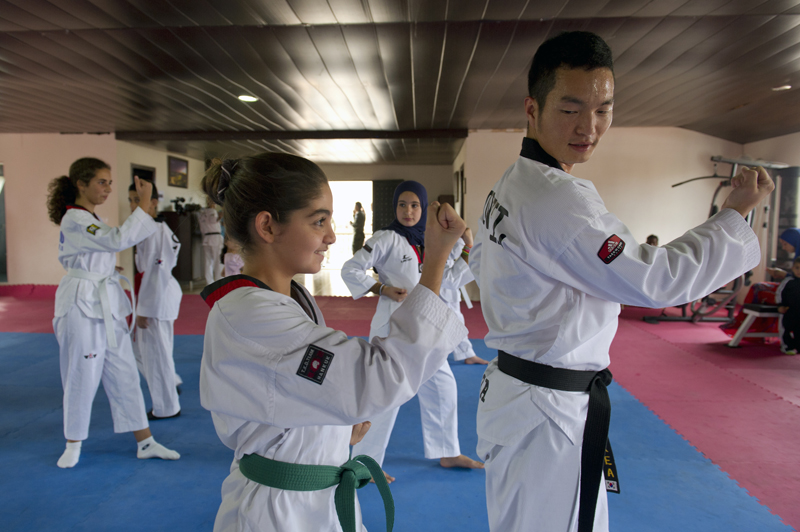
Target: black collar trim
{"type": "Point", "coordinates": [531, 149]}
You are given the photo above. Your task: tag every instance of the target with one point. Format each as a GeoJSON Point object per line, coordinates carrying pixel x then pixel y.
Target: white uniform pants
{"type": "Point", "coordinates": [533, 485]}
{"type": "Point", "coordinates": [438, 403]}
{"type": "Point", "coordinates": [86, 359]}
{"type": "Point", "coordinates": [153, 349]}
{"type": "Point", "coordinates": [464, 349]}
{"type": "Point", "coordinates": [212, 257]}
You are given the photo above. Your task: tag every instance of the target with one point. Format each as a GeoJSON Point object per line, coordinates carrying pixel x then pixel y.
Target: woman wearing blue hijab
{"type": "Point", "coordinates": [396, 252]}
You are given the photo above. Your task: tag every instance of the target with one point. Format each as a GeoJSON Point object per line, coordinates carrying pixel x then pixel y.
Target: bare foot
{"type": "Point", "coordinates": [460, 461]}
{"type": "Point", "coordinates": [389, 478]}
{"type": "Point", "coordinates": [475, 360]}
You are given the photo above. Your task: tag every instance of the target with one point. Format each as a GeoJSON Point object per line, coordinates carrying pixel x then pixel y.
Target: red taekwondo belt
{"type": "Point", "coordinates": [595, 432]}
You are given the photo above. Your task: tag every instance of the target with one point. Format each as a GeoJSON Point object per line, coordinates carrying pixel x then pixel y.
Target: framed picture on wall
{"type": "Point", "coordinates": [177, 172]}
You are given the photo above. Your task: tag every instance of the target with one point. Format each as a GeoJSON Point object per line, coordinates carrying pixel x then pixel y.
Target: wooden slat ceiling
{"type": "Point", "coordinates": [168, 72]}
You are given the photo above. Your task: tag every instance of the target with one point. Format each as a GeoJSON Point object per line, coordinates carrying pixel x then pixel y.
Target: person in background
{"type": "Point", "coordinates": [766, 293]}
{"type": "Point", "coordinates": [652, 240]}
{"type": "Point", "coordinates": [397, 252]}
{"type": "Point", "coordinates": [233, 258]}
{"type": "Point", "coordinates": [91, 308]}
{"type": "Point", "coordinates": [359, 219]}
{"type": "Point", "coordinates": [452, 296]}
{"type": "Point", "coordinates": [788, 299]}
{"type": "Point", "coordinates": [158, 302]}
{"type": "Point", "coordinates": [208, 219]}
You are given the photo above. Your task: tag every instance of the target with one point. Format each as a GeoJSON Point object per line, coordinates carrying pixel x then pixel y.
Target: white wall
{"type": "Point", "coordinates": [30, 162]}
{"type": "Point", "coordinates": [785, 149]}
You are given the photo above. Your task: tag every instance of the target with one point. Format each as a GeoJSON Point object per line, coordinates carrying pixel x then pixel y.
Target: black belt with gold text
{"type": "Point", "coordinates": [596, 451]}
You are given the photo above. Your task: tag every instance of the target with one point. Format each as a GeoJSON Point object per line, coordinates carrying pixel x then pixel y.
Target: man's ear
{"type": "Point", "coordinates": [265, 227]}
{"type": "Point", "coordinates": [531, 114]}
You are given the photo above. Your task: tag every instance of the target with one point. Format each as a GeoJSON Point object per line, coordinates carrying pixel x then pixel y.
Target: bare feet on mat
{"type": "Point", "coordinates": [460, 461]}
{"type": "Point", "coordinates": [389, 478]}
{"type": "Point", "coordinates": [475, 360]}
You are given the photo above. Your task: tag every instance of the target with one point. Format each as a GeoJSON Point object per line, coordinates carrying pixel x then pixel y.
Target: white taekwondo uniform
{"type": "Point", "coordinates": [452, 296]}
{"type": "Point", "coordinates": [399, 265]}
{"type": "Point", "coordinates": [90, 309]}
{"type": "Point", "coordinates": [553, 266]}
{"type": "Point", "coordinates": [159, 300]}
{"type": "Point", "coordinates": [262, 401]}
{"type": "Point", "coordinates": [212, 243]}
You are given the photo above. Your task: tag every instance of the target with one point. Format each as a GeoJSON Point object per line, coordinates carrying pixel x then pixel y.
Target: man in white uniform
{"type": "Point", "coordinates": [211, 229]}
{"type": "Point", "coordinates": [157, 306]}
{"type": "Point", "coordinates": [553, 266]}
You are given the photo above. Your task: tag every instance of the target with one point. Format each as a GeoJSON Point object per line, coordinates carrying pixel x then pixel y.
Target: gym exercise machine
{"type": "Point", "coordinates": [724, 298]}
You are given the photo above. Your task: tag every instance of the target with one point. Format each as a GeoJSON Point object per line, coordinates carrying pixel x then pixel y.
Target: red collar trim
{"type": "Point", "coordinates": [216, 291]}
{"type": "Point", "coordinates": [81, 209]}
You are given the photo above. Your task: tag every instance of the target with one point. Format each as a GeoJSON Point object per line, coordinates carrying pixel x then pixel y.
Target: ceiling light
{"type": "Point", "coordinates": [782, 88]}
{"type": "Point", "coordinates": [248, 98]}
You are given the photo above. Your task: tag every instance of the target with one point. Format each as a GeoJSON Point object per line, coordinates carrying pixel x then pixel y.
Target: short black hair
{"type": "Point", "coordinates": [795, 261]}
{"type": "Point", "coordinates": [153, 195]}
{"type": "Point", "coordinates": [572, 49]}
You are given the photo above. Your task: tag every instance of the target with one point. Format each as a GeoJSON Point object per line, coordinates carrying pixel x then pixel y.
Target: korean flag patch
{"type": "Point", "coordinates": [92, 229]}
{"type": "Point", "coordinates": [611, 249]}
{"type": "Point", "coordinates": [315, 364]}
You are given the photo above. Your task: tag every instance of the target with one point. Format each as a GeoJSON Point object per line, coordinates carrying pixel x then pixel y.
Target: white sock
{"type": "Point", "coordinates": [150, 448]}
{"type": "Point", "coordinates": [71, 455]}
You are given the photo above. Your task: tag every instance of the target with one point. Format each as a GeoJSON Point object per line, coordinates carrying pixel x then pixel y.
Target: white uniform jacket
{"type": "Point", "coordinates": [209, 221]}
{"type": "Point", "coordinates": [553, 266]}
{"type": "Point", "coordinates": [398, 265]}
{"type": "Point", "coordinates": [458, 277]}
{"type": "Point", "coordinates": [160, 293]}
{"type": "Point", "coordinates": [86, 243]}
{"type": "Point", "coordinates": [281, 384]}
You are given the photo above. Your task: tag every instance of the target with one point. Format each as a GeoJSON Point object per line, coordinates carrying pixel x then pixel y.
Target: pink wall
{"type": "Point", "coordinates": [30, 162]}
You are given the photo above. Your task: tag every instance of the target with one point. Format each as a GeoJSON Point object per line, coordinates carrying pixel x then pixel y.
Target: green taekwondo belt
{"type": "Point", "coordinates": [352, 475]}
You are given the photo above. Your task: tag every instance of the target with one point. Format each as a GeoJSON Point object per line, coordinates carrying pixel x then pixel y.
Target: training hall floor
{"type": "Point", "coordinates": [706, 438]}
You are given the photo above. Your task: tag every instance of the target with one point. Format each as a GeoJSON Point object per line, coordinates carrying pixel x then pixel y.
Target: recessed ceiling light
{"type": "Point", "coordinates": [248, 98]}
{"type": "Point", "coordinates": [782, 88]}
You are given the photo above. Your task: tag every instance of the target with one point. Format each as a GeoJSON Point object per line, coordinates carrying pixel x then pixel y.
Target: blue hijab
{"type": "Point", "coordinates": [415, 234]}
{"type": "Point", "coordinates": [792, 236]}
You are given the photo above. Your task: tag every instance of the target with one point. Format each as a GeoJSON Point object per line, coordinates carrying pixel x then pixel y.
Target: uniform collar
{"type": "Point", "coordinates": [531, 149]}
{"type": "Point", "coordinates": [80, 208]}
{"type": "Point", "coordinates": [216, 291]}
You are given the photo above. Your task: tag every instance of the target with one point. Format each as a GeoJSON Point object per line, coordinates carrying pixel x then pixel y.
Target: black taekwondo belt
{"type": "Point", "coordinates": [595, 432]}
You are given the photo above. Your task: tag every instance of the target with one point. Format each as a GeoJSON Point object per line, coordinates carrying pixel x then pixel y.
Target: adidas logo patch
{"type": "Point", "coordinates": [611, 249]}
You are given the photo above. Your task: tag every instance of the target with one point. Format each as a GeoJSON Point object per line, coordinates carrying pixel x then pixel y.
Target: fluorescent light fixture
{"type": "Point", "coordinates": [782, 88]}
{"type": "Point", "coordinates": [248, 98]}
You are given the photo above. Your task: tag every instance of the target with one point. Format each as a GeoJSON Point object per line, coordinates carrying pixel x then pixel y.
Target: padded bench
{"type": "Point", "coordinates": [753, 311]}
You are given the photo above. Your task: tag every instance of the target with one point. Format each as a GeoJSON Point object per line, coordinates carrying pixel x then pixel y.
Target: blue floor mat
{"type": "Point", "coordinates": [666, 483]}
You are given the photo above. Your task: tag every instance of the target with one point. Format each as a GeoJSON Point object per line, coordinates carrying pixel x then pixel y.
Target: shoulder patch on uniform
{"type": "Point", "coordinates": [367, 247]}
{"type": "Point", "coordinates": [611, 249]}
{"type": "Point", "coordinates": [92, 229]}
{"type": "Point", "coordinates": [315, 364]}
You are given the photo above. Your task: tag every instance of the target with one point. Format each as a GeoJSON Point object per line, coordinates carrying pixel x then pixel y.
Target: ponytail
{"type": "Point", "coordinates": [60, 193]}
{"type": "Point", "coordinates": [278, 183]}
{"type": "Point", "coordinates": [63, 191]}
